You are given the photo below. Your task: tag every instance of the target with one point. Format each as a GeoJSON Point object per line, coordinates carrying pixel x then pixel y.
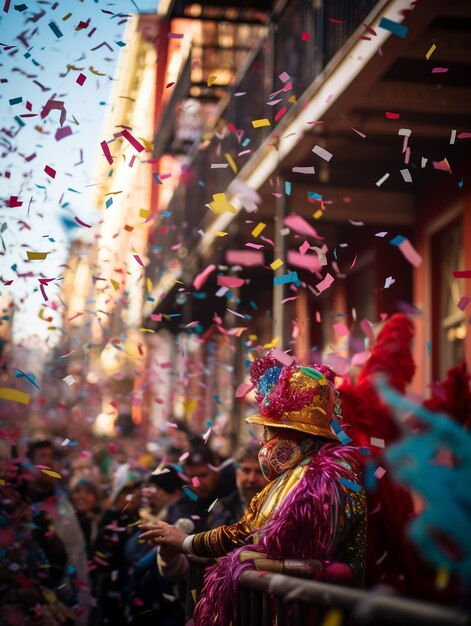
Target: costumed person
{"type": "Point", "coordinates": [313, 509]}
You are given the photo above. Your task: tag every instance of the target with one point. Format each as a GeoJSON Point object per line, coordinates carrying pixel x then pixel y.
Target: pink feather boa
{"type": "Point", "coordinates": [304, 527]}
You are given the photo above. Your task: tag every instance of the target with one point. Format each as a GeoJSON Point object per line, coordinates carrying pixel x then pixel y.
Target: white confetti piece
{"type": "Point", "coordinates": [324, 154]}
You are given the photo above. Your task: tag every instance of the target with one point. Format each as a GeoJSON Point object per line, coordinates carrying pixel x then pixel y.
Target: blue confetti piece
{"type": "Point", "coordinates": [292, 277]}
{"type": "Point", "coordinates": [341, 434]}
{"type": "Point", "coordinates": [400, 30]}
{"type": "Point", "coordinates": [108, 203]}
{"type": "Point", "coordinates": [18, 100]}
{"type": "Point", "coordinates": [19, 120]}
{"type": "Point", "coordinates": [121, 44]}
{"type": "Point", "coordinates": [397, 240]}
{"type": "Point", "coordinates": [287, 188]}
{"type": "Point", "coordinates": [55, 29]}
{"type": "Point", "coordinates": [314, 195]}
{"type": "Point", "coordinates": [429, 346]}
{"type": "Point", "coordinates": [246, 142]}
{"type": "Point", "coordinates": [460, 184]}
{"type": "Point", "coordinates": [350, 484]}
{"type": "Point", "coordinates": [166, 213]}
{"type": "Point", "coordinates": [191, 494]}
{"type": "Point", "coordinates": [156, 178]}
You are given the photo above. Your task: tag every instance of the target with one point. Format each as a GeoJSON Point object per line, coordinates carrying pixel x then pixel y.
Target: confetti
{"type": "Point", "coordinates": [382, 180]}
{"type": "Point", "coordinates": [36, 256]}
{"type": "Point", "coordinates": [284, 279]}
{"type": "Point", "coordinates": [134, 143]}
{"type": "Point", "coordinates": [14, 395]}
{"type": "Point", "coordinates": [324, 154]}
{"type": "Point", "coordinates": [260, 123]}
{"type": "Point", "coordinates": [55, 29]}
{"type": "Point", "coordinates": [50, 171]}
{"type": "Point", "coordinates": [69, 380]}
{"type": "Point", "coordinates": [431, 50]}
{"type": "Point", "coordinates": [400, 30]}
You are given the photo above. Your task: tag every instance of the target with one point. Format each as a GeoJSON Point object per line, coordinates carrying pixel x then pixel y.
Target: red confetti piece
{"type": "Point", "coordinates": [462, 274]}
{"type": "Point", "coordinates": [81, 78]}
{"type": "Point", "coordinates": [6, 6]}
{"type": "Point", "coordinates": [13, 202]}
{"type": "Point", "coordinates": [334, 21]}
{"type": "Point", "coordinates": [169, 85]}
{"type": "Point", "coordinates": [134, 142]}
{"type": "Point", "coordinates": [280, 114]}
{"type": "Point", "coordinates": [79, 221]}
{"type": "Point", "coordinates": [392, 116]}
{"type": "Point", "coordinates": [305, 36]}
{"type": "Point", "coordinates": [50, 171]}
{"type": "Point", "coordinates": [138, 259]}
{"type": "Point", "coordinates": [106, 152]}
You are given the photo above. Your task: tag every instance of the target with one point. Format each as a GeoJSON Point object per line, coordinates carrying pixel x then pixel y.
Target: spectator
{"type": "Point", "coordinates": [151, 599]}
{"type": "Point", "coordinates": [208, 481]}
{"type": "Point", "coordinates": [249, 481]}
{"type": "Point", "coordinates": [86, 495]}
{"type": "Point", "coordinates": [54, 513]}
{"type": "Point", "coordinates": [116, 527]}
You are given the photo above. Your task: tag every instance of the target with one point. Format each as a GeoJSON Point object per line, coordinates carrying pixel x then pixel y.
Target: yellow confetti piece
{"type": "Point", "coordinates": [149, 285]}
{"type": "Point", "coordinates": [432, 49]}
{"type": "Point", "coordinates": [219, 233]}
{"type": "Point", "coordinates": [442, 579]}
{"type": "Point", "coordinates": [36, 256]}
{"type": "Point", "coordinates": [260, 123]}
{"type": "Point", "coordinates": [144, 213]}
{"type": "Point", "coordinates": [258, 229]}
{"type": "Point", "coordinates": [2, 482]}
{"type": "Point", "coordinates": [149, 145]}
{"type": "Point", "coordinates": [231, 162]}
{"type": "Point", "coordinates": [221, 204]}
{"type": "Point", "coordinates": [193, 595]}
{"type": "Point", "coordinates": [273, 343]}
{"type": "Point", "coordinates": [41, 316]}
{"type": "Point", "coordinates": [211, 79]}
{"type": "Point", "coordinates": [146, 330]}
{"type": "Point", "coordinates": [333, 618]}
{"type": "Point", "coordinates": [14, 395]}
{"type": "Point", "coordinates": [52, 327]}
{"type": "Point", "coordinates": [253, 337]}
{"type": "Point", "coordinates": [115, 284]}
{"type": "Point", "coordinates": [276, 264]}
{"type": "Point", "coordinates": [292, 99]}
{"type": "Point", "coordinates": [51, 473]}
{"type": "Point", "coordinates": [318, 214]}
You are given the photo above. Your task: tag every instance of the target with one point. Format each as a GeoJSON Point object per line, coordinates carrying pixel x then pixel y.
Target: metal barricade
{"type": "Point", "coordinates": [269, 599]}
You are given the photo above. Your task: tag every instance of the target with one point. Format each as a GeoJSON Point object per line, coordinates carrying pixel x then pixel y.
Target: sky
{"type": "Point", "coordinates": [47, 164]}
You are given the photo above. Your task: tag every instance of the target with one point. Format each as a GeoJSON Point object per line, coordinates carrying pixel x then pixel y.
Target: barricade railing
{"type": "Point", "coordinates": [267, 599]}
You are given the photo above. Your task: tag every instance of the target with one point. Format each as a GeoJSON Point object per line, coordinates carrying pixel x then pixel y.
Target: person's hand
{"type": "Point", "coordinates": [163, 534]}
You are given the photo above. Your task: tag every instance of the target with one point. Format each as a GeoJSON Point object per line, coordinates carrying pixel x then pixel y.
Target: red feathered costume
{"type": "Point", "coordinates": [391, 558]}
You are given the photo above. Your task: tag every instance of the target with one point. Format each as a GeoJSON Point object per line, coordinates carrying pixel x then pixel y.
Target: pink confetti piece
{"type": "Point", "coordinates": [79, 221]}
{"type": "Point", "coordinates": [202, 277]}
{"type": "Point", "coordinates": [245, 258]}
{"type": "Point", "coordinates": [230, 281]}
{"type": "Point", "coordinates": [106, 152]}
{"type": "Point", "coordinates": [303, 170]}
{"type": "Point", "coordinates": [81, 78]}
{"type": "Point", "coordinates": [356, 223]}
{"type": "Point", "coordinates": [156, 317]}
{"type": "Point", "coordinates": [442, 165]}
{"type": "Point", "coordinates": [360, 358]}
{"type": "Point", "coordinates": [282, 357]}
{"type": "Point", "coordinates": [440, 70]}
{"type": "Point", "coordinates": [280, 114]}
{"type": "Point", "coordinates": [462, 274]}
{"type": "Point", "coordinates": [362, 135]}
{"type": "Point", "coordinates": [257, 246]}
{"type": "Point", "coordinates": [325, 283]}
{"type": "Point", "coordinates": [138, 259]}
{"type": "Point", "coordinates": [308, 262]}
{"type": "Point", "coordinates": [341, 329]}
{"type": "Point", "coordinates": [304, 247]}
{"type": "Point", "coordinates": [132, 140]}
{"type": "Point", "coordinates": [243, 389]}
{"type": "Point", "coordinates": [236, 313]}
{"type": "Point", "coordinates": [301, 226]}
{"type": "Point", "coordinates": [367, 328]}
{"type": "Point", "coordinates": [410, 253]}
{"type": "Point", "coordinates": [50, 171]}
{"type": "Point", "coordinates": [284, 77]}
{"type": "Point", "coordinates": [323, 153]}
{"type": "Point", "coordinates": [392, 116]}
{"type": "Point", "coordinates": [464, 135]}
{"type": "Point", "coordinates": [175, 35]}
{"type": "Point", "coordinates": [305, 36]}
{"type": "Point", "coordinates": [462, 304]}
